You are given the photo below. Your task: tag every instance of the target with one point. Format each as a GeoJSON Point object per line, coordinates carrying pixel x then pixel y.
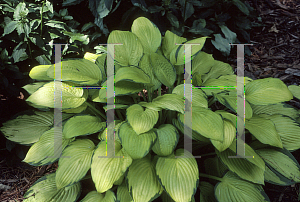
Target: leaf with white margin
{"type": "Point", "coordinates": [199, 98]}
{"type": "Point", "coordinates": [130, 50]}
{"type": "Point", "coordinates": [111, 168]}
{"type": "Point", "coordinates": [82, 125]}
{"type": "Point", "coordinates": [163, 69]}
{"type": "Point", "coordinates": [251, 169]}
{"type": "Point", "coordinates": [123, 193]}
{"type": "Point", "coordinates": [267, 91]}
{"type": "Point", "coordinates": [81, 71]}
{"type": "Point", "coordinates": [47, 149]}
{"type": "Point", "coordinates": [71, 97]}
{"type": "Point", "coordinates": [232, 188]}
{"type": "Point", "coordinates": [167, 140]}
{"type": "Point", "coordinates": [208, 123]}
{"type": "Point", "coordinates": [172, 102]}
{"type": "Point", "coordinates": [44, 189]}
{"type": "Point", "coordinates": [141, 121]}
{"type": "Point", "coordinates": [94, 196]}
{"type": "Point", "coordinates": [76, 162]}
{"type": "Point", "coordinates": [282, 161]}
{"type": "Point", "coordinates": [178, 176]}
{"type": "Point", "coordinates": [137, 146]}
{"type": "Point", "coordinates": [264, 130]}
{"type": "Point", "coordinates": [148, 33]}
{"type": "Point", "coordinates": [142, 178]}
{"type": "Point", "coordinates": [229, 136]}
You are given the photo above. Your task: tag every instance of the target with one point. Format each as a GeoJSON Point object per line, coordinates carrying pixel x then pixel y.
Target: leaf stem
{"type": "Point", "coordinates": [96, 110]}
{"type": "Point", "coordinates": [210, 176]}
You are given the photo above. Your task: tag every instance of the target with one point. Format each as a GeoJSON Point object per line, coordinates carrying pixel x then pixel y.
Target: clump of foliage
{"type": "Point", "coordinates": [149, 133]}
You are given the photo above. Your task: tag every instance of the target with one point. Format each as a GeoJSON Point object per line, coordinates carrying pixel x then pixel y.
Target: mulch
{"type": "Point", "coordinates": [275, 53]}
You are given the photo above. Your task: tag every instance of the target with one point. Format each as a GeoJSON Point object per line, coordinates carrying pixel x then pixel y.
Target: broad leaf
{"type": "Point", "coordinates": [40, 73]}
{"type": "Point", "coordinates": [206, 192]}
{"type": "Point", "coordinates": [229, 135]}
{"type": "Point", "coordinates": [280, 108]}
{"type": "Point", "coordinates": [169, 43]}
{"type": "Point", "coordinates": [95, 196]}
{"type": "Point", "coordinates": [221, 44]}
{"type": "Point", "coordinates": [295, 91]}
{"type": "Point", "coordinates": [132, 74]}
{"type": "Point", "coordinates": [123, 193]}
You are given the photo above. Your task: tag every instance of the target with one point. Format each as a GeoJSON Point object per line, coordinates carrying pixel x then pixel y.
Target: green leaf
{"type": "Point", "coordinates": [133, 74]}
{"type": "Point", "coordinates": [206, 192]}
{"type": "Point", "coordinates": [71, 97]}
{"type": "Point", "coordinates": [123, 193]}
{"type": "Point", "coordinates": [167, 101]}
{"type": "Point", "coordinates": [280, 108]}
{"type": "Point", "coordinates": [34, 24]}
{"type": "Point", "coordinates": [221, 44]}
{"type": "Point", "coordinates": [148, 34]}
{"type": "Point", "coordinates": [137, 146]}
{"type": "Point", "coordinates": [113, 168]}
{"type": "Point", "coordinates": [167, 139]}
{"type": "Point", "coordinates": [241, 6]}
{"type": "Point", "coordinates": [274, 177]}
{"type": "Point", "coordinates": [19, 52]}
{"type": "Point", "coordinates": [295, 91]}
{"type": "Point", "coordinates": [202, 63]}
{"type": "Point", "coordinates": [229, 35]}
{"type": "Point", "coordinates": [209, 124]}
{"type": "Point", "coordinates": [75, 163]}
{"type": "Point", "coordinates": [251, 169]}
{"type": "Point", "coordinates": [87, 26]}
{"type": "Point", "coordinates": [21, 11]}
{"type": "Point", "coordinates": [267, 91]}
{"type": "Point", "coordinates": [178, 176]}
{"type": "Point", "coordinates": [77, 36]}
{"type": "Point", "coordinates": [81, 71]}
{"type": "Point", "coordinates": [229, 135]}
{"type": "Point", "coordinates": [131, 50]}
{"type": "Point", "coordinates": [10, 27]}
{"type": "Point", "coordinates": [27, 129]}
{"type": "Point", "coordinates": [56, 24]}
{"type": "Point", "coordinates": [47, 149]}
{"type": "Point", "coordinates": [220, 69]}
{"type": "Point", "coordinates": [177, 56]}
{"type": "Point", "coordinates": [95, 196]}
{"type": "Point", "coordinates": [199, 98]}
{"type": "Point", "coordinates": [121, 88]}
{"type": "Point", "coordinates": [141, 178]}
{"type": "Point", "coordinates": [141, 121]}
{"type": "Point", "coordinates": [188, 12]}
{"type": "Point", "coordinates": [31, 88]}
{"type": "Point", "coordinates": [233, 188]}
{"type": "Point", "coordinates": [264, 130]}
{"type": "Point", "coordinates": [40, 73]}
{"type": "Point", "coordinates": [282, 161]}
{"type": "Point", "coordinates": [44, 189]}
{"type": "Point", "coordinates": [82, 125]}
{"type": "Point", "coordinates": [173, 20]}
{"type": "Point", "coordinates": [163, 69]}
{"type": "Point", "coordinates": [169, 43]}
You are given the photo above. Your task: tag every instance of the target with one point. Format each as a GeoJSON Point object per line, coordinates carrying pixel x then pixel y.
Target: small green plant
{"type": "Point", "coordinates": [149, 133]}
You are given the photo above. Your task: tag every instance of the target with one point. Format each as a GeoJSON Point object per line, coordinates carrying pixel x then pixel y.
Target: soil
{"type": "Point", "coordinates": [275, 53]}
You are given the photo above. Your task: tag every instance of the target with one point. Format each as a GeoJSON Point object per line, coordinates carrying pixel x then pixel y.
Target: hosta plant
{"type": "Point", "coordinates": [149, 131]}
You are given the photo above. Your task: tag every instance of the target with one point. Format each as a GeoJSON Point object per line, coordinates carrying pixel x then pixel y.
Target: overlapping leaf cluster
{"type": "Point", "coordinates": [147, 132]}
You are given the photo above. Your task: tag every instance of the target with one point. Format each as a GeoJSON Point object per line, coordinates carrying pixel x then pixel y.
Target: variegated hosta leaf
{"type": "Point", "coordinates": [121, 88]}
{"type": "Point", "coordinates": [75, 163]}
{"type": "Point", "coordinates": [44, 189]}
{"type": "Point", "coordinates": [199, 98]}
{"type": "Point", "coordinates": [95, 196]}
{"type": "Point", "coordinates": [133, 74]}
{"type": "Point", "coordinates": [288, 130]}
{"type": "Point", "coordinates": [202, 63]}
{"type": "Point", "coordinates": [103, 135]}
{"type": "Point", "coordinates": [71, 97]}
{"type": "Point", "coordinates": [295, 91]}
{"type": "Point", "coordinates": [167, 101]}
{"type": "Point", "coordinates": [229, 136]}
{"type": "Point", "coordinates": [218, 69]}
{"type": "Point", "coordinates": [137, 146]}
{"type": "Point", "coordinates": [141, 121]}
{"type": "Point", "coordinates": [178, 176]}
{"type": "Point", "coordinates": [27, 129]}
{"type": "Point", "coordinates": [163, 69]}
{"type": "Point", "coordinates": [169, 43]}
{"type": "Point", "coordinates": [148, 33]}
{"type": "Point", "coordinates": [81, 71]}
{"type": "Point", "coordinates": [123, 193]}
{"type": "Point", "coordinates": [207, 192]}
{"type": "Point", "coordinates": [264, 130]}
{"type": "Point", "coordinates": [280, 108]}
{"type": "Point", "coordinates": [206, 122]}
{"type": "Point", "coordinates": [82, 125]}
{"type": "Point", "coordinates": [146, 66]}
{"type": "Point", "coordinates": [47, 150]}
{"type": "Point", "coordinates": [177, 56]}
{"type": "Point", "coordinates": [105, 171]}
{"type": "Point", "coordinates": [167, 139]}
{"type": "Point", "coordinates": [251, 169]}
{"type": "Point", "coordinates": [40, 73]}
{"type": "Point", "coordinates": [274, 177]}
{"type": "Point", "coordinates": [130, 50]}
{"type": "Point", "coordinates": [232, 188]}
{"type": "Point", "coordinates": [282, 161]}
{"type": "Point", "coordinates": [267, 91]}
{"type": "Point", "coordinates": [142, 178]}
{"type": "Point", "coordinates": [226, 115]}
